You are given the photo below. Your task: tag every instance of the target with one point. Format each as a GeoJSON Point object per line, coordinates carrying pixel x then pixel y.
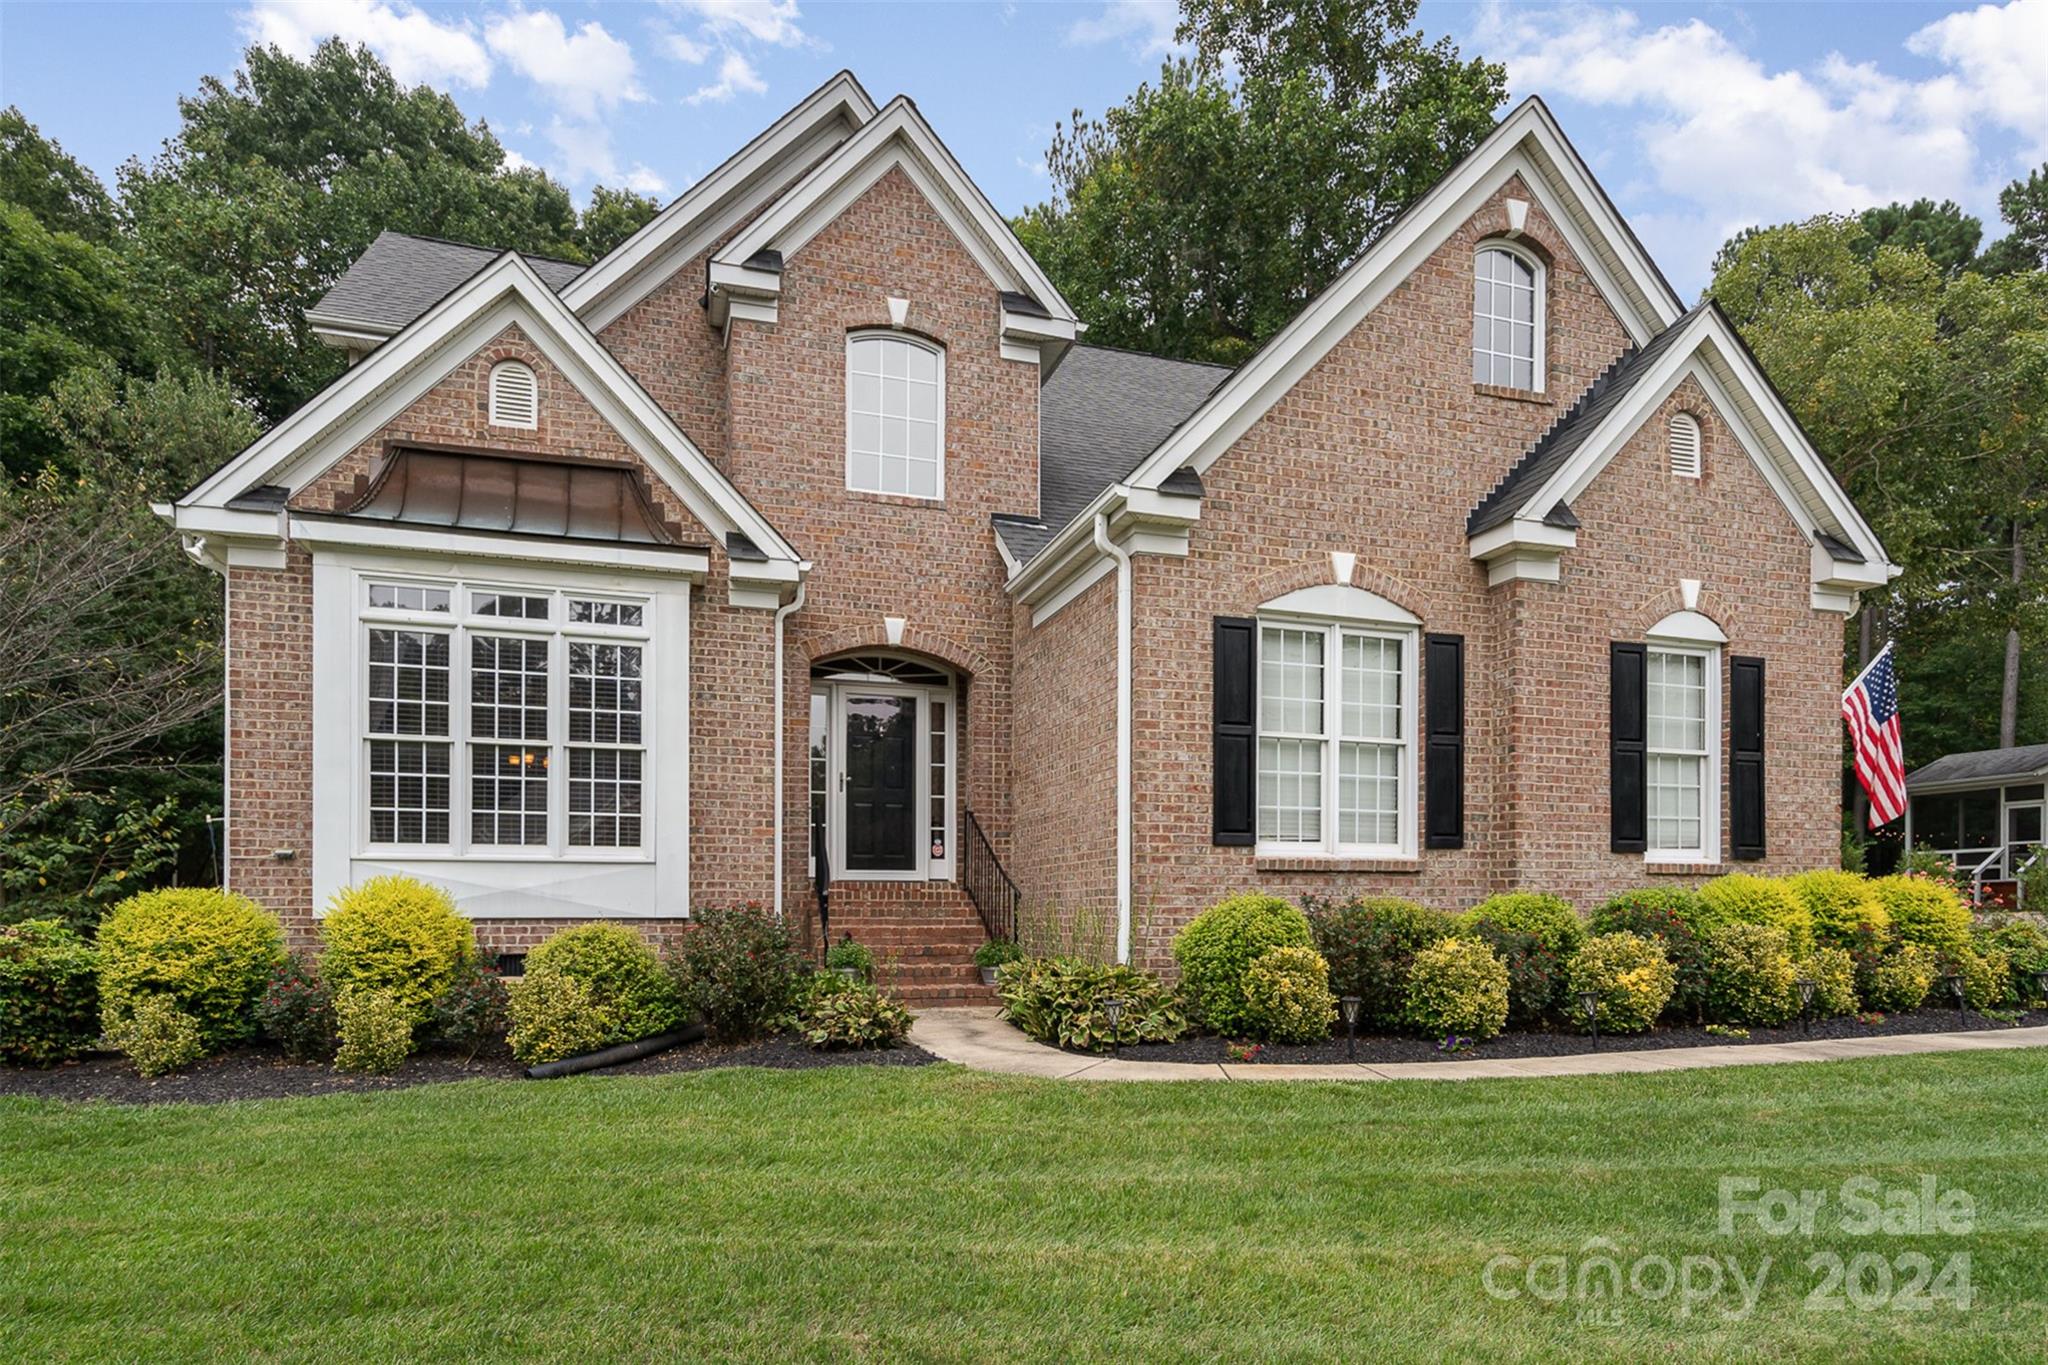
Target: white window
{"type": "Point", "coordinates": [1507, 320]}
{"type": "Point", "coordinates": [1336, 739]}
{"type": "Point", "coordinates": [537, 697]}
{"type": "Point", "coordinates": [1685, 445]}
{"type": "Point", "coordinates": [1682, 706]}
{"type": "Point", "coordinates": [515, 396]}
{"type": "Point", "coordinates": [895, 415]}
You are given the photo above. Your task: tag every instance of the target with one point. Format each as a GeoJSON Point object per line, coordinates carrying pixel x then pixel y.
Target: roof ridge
{"type": "Point", "coordinates": [1151, 355]}
{"type": "Point", "coordinates": [493, 251]}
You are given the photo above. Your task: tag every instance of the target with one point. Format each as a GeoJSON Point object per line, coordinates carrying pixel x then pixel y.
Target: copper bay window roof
{"type": "Point", "coordinates": [527, 495]}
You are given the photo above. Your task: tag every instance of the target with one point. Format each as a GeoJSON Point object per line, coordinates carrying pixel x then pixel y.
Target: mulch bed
{"type": "Point", "coordinates": [261, 1075]}
{"type": "Point", "coordinates": [1377, 1048]}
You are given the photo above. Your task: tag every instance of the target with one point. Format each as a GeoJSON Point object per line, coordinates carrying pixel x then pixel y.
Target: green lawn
{"type": "Point", "coordinates": [941, 1214]}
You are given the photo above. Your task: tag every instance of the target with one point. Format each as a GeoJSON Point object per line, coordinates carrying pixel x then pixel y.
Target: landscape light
{"type": "Point", "coordinates": [1806, 985]}
{"type": "Point", "coordinates": [1113, 1007]}
{"type": "Point", "coordinates": [1589, 1001]}
{"type": "Point", "coordinates": [1349, 1004]}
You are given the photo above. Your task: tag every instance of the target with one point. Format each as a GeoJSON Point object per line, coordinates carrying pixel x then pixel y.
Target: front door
{"type": "Point", "coordinates": [880, 781]}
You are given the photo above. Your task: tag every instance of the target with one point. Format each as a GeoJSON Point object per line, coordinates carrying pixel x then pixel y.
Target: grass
{"type": "Point", "coordinates": [942, 1214]}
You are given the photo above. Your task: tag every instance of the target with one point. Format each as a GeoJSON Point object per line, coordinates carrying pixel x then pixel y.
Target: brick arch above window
{"type": "Point", "coordinates": [941, 649]}
{"type": "Point", "coordinates": [1670, 601]}
{"type": "Point", "coordinates": [1315, 572]}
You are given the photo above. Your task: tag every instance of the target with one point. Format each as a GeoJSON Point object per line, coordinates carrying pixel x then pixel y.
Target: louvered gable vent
{"type": "Point", "coordinates": [1685, 446]}
{"type": "Point", "coordinates": [515, 397]}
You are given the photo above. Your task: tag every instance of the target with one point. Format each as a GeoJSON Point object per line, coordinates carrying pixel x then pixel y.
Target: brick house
{"type": "Point", "coordinates": [802, 528]}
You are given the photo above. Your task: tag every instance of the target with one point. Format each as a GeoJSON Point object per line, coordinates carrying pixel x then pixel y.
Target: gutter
{"type": "Point", "coordinates": [782, 613]}
{"type": "Point", "coordinates": [1122, 559]}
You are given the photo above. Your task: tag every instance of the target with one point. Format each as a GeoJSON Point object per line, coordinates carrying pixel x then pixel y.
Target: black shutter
{"type": "Point", "coordinates": [1443, 723]}
{"type": "Point", "coordinates": [1236, 731]}
{"type": "Point", "coordinates": [1627, 735]}
{"type": "Point", "coordinates": [1746, 758]}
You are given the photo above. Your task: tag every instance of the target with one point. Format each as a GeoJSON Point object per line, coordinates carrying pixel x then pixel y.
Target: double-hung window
{"type": "Point", "coordinates": [1681, 692]}
{"type": "Point", "coordinates": [1336, 739]}
{"type": "Point", "coordinates": [503, 720]}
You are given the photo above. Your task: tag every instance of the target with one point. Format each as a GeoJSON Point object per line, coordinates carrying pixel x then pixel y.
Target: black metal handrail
{"type": "Point", "coordinates": [821, 883]}
{"type": "Point", "coordinates": [986, 883]}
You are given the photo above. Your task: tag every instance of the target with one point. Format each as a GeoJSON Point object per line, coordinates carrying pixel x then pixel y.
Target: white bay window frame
{"type": "Point", "coordinates": [1328, 732]}
{"type": "Point", "coordinates": [499, 880]}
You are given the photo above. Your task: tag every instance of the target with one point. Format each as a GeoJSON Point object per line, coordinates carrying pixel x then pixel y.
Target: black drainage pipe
{"type": "Point", "coordinates": [613, 1056]}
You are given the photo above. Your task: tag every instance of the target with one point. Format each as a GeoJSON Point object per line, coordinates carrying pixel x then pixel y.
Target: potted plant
{"type": "Point", "coordinates": [851, 960]}
{"type": "Point", "coordinates": [991, 957]}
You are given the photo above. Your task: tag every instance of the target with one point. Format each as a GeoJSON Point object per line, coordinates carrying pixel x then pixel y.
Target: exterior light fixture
{"type": "Point", "coordinates": [2041, 985]}
{"type": "Point", "coordinates": [1113, 1010]}
{"type": "Point", "coordinates": [1348, 1005]}
{"type": "Point", "coordinates": [1806, 986]}
{"type": "Point", "coordinates": [1589, 1001]}
{"type": "Point", "coordinates": [1955, 988]}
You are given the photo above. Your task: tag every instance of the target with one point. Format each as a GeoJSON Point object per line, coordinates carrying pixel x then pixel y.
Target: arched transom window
{"type": "Point", "coordinates": [1507, 320]}
{"type": "Point", "coordinates": [895, 415]}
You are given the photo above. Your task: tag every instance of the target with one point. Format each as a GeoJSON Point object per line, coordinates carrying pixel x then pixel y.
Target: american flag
{"type": "Point", "coordinates": [1871, 706]}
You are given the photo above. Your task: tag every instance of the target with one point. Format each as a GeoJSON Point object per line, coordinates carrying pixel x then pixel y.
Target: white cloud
{"type": "Point", "coordinates": [1144, 26]}
{"type": "Point", "coordinates": [417, 47]}
{"type": "Point", "coordinates": [736, 76]}
{"type": "Point", "coordinates": [515, 162]}
{"type": "Point", "coordinates": [1722, 141]}
{"type": "Point", "coordinates": [642, 180]}
{"type": "Point", "coordinates": [765, 21]}
{"type": "Point", "coordinates": [684, 49]}
{"type": "Point", "coordinates": [580, 72]}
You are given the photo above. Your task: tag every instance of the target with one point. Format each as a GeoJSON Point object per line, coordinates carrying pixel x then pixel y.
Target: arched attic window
{"type": "Point", "coordinates": [1507, 318]}
{"type": "Point", "coordinates": [515, 396]}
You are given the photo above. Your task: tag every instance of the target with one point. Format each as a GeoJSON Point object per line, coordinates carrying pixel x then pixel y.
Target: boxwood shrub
{"type": "Point", "coordinates": [1457, 986]}
{"type": "Point", "coordinates": [552, 1018]}
{"type": "Point", "coordinates": [394, 934]}
{"type": "Point", "coordinates": [1740, 898]}
{"type": "Point", "coordinates": [1666, 914]}
{"type": "Point", "coordinates": [1217, 948]}
{"type": "Point", "coordinates": [1287, 996]}
{"type": "Point", "coordinates": [1925, 911]}
{"type": "Point", "coordinates": [1550, 918]}
{"type": "Point", "coordinates": [375, 1029]}
{"type": "Point", "coordinates": [1370, 943]}
{"type": "Point", "coordinates": [1630, 978]}
{"type": "Point", "coordinates": [2025, 946]}
{"type": "Point", "coordinates": [1750, 975]}
{"type": "Point", "coordinates": [1844, 911]}
{"type": "Point", "coordinates": [209, 952]}
{"type": "Point", "coordinates": [49, 993]}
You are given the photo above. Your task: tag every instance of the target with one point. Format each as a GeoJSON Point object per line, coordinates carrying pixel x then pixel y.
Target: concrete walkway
{"type": "Point", "coordinates": [977, 1038]}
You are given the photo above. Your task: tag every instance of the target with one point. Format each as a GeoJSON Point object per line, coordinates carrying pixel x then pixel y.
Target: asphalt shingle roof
{"type": "Point", "coordinates": [401, 276]}
{"type": "Point", "coordinates": [1102, 412]}
{"type": "Point", "coordinates": [1556, 446]}
{"type": "Point", "coordinates": [1986, 765]}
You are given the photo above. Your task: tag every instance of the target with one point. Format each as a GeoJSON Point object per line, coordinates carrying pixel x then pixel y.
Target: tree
{"type": "Point", "coordinates": [611, 217]}
{"type": "Point", "coordinates": [1202, 213]}
{"type": "Point", "coordinates": [1947, 234]}
{"type": "Point", "coordinates": [2024, 206]}
{"type": "Point", "coordinates": [38, 175]}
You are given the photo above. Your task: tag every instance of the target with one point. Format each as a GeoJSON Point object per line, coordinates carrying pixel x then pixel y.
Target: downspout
{"type": "Point", "coordinates": [782, 614]}
{"type": "Point", "coordinates": [1122, 559]}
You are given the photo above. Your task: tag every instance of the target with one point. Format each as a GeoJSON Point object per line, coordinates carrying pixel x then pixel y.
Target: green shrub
{"type": "Point", "coordinates": [2033, 879]}
{"type": "Point", "coordinates": [398, 935]}
{"type": "Point", "coordinates": [1740, 898]}
{"type": "Point", "coordinates": [1925, 862]}
{"type": "Point", "coordinates": [375, 1030]}
{"type": "Point", "coordinates": [1901, 979]}
{"type": "Point", "coordinates": [1217, 948]}
{"type": "Point", "coordinates": [852, 1015]}
{"type": "Point", "coordinates": [211, 952]}
{"type": "Point", "coordinates": [1058, 1000]}
{"type": "Point", "coordinates": [846, 953]}
{"type": "Point", "coordinates": [552, 1018]}
{"type": "Point", "coordinates": [2025, 946]}
{"type": "Point", "coordinates": [1550, 918]}
{"type": "Point", "coordinates": [1664, 913]}
{"type": "Point", "coordinates": [1925, 911]}
{"type": "Point", "coordinates": [1833, 973]}
{"type": "Point", "coordinates": [996, 953]}
{"type": "Point", "coordinates": [1750, 974]}
{"type": "Point", "coordinates": [1987, 977]}
{"type": "Point", "coordinates": [1844, 911]}
{"type": "Point", "coordinates": [49, 993]}
{"type": "Point", "coordinates": [469, 1015]}
{"type": "Point", "coordinates": [1630, 976]}
{"type": "Point", "coordinates": [631, 995]}
{"type": "Point", "coordinates": [296, 1011]}
{"type": "Point", "coordinates": [1287, 996]}
{"type": "Point", "coordinates": [738, 968]}
{"type": "Point", "coordinates": [1458, 986]}
{"type": "Point", "coordinates": [1535, 976]}
{"type": "Point", "coordinates": [1370, 943]}
{"type": "Point", "coordinates": [157, 1036]}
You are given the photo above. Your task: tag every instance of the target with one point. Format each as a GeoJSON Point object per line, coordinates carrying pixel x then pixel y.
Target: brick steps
{"type": "Point", "coordinates": [923, 936]}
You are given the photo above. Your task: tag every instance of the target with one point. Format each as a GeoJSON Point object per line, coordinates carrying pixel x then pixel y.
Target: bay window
{"type": "Point", "coordinates": [1336, 757]}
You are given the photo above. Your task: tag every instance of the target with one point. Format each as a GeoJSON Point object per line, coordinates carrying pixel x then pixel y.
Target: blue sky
{"type": "Point", "coordinates": [1699, 118]}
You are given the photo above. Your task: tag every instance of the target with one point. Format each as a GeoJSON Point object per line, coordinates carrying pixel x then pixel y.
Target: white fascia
{"type": "Point", "coordinates": [1525, 548]}
{"type": "Point", "coordinates": [357, 533]}
{"type": "Point", "coordinates": [749, 179]}
{"type": "Point", "coordinates": [1527, 142]}
{"type": "Point", "coordinates": [348, 334]}
{"type": "Point", "coordinates": [1136, 520]}
{"type": "Point", "coordinates": [897, 137]}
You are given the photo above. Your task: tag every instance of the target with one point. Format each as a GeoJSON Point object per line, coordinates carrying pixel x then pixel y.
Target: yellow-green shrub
{"type": "Point", "coordinates": [1833, 973]}
{"type": "Point", "coordinates": [551, 1018]}
{"type": "Point", "coordinates": [157, 1036]}
{"type": "Point", "coordinates": [1750, 975]}
{"type": "Point", "coordinates": [632, 996]}
{"type": "Point", "coordinates": [1287, 996]}
{"type": "Point", "coordinates": [375, 1029]}
{"type": "Point", "coordinates": [1217, 948]}
{"type": "Point", "coordinates": [1458, 986]}
{"type": "Point", "coordinates": [49, 993]}
{"type": "Point", "coordinates": [209, 951]}
{"type": "Point", "coordinates": [1740, 898]}
{"type": "Point", "coordinates": [1902, 979]}
{"type": "Point", "coordinates": [1845, 912]}
{"type": "Point", "coordinates": [1924, 911]}
{"type": "Point", "coordinates": [1550, 919]}
{"type": "Point", "coordinates": [1631, 976]}
{"type": "Point", "coordinates": [394, 934]}
{"type": "Point", "coordinates": [1987, 977]}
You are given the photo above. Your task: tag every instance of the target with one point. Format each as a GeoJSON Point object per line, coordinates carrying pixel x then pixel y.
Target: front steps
{"type": "Point", "coordinates": [923, 936]}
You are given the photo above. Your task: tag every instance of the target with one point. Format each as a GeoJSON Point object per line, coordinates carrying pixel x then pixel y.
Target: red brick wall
{"type": "Point", "coordinates": [270, 737]}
